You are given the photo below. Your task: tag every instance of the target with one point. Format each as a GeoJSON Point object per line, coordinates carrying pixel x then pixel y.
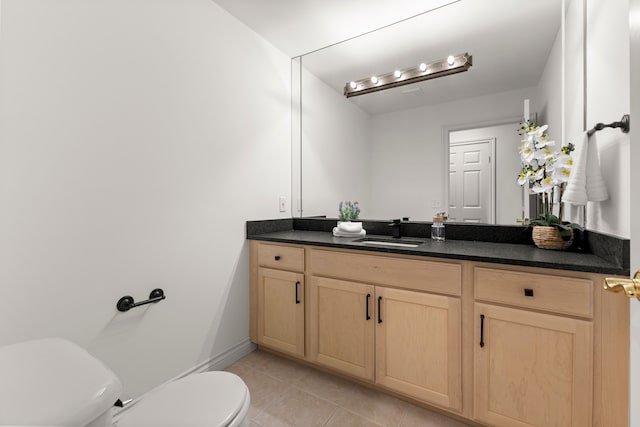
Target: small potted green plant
{"type": "Point", "coordinates": [546, 171]}
{"type": "Point", "coordinates": [348, 211]}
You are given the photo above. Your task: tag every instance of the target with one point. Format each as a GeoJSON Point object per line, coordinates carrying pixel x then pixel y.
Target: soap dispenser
{"type": "Point", "coordinates": [437, 228]}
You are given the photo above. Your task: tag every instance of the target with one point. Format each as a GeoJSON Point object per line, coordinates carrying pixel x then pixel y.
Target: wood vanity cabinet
{"type": "Point", "coordinates": [365, 323]}
{"type": "Point", "coordinates": [532, 368]}
{"type": "Point", "coordinates": [501, 345]}
{"type": "Point", "coordinates": [418, 347]}
{"type": "Point", "coordinates": [341, 326]}
{"type": "Point", "coordinates": [280, 298]}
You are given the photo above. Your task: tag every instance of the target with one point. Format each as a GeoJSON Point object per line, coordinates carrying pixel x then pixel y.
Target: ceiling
{"type": "Point", "coordinates": [509, 40]}
{"type": "Point", "coordinates": [297, 27]}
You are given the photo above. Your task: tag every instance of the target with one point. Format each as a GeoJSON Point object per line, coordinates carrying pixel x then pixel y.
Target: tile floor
{"type": "Point", "coordinates": [285, 393]}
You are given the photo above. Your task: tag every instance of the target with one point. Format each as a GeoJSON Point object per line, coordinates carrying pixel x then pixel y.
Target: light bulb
{"type": "Point", "coordinates": [353, 85]}
{"type": "Point", "coordinates": [451, 60]}
{"type": "Point", "coordinates": [374, 80]}
{"type": "Point", "coordinates": [397, 74]}
{"type": "Point", "coordinates": [423, 67]}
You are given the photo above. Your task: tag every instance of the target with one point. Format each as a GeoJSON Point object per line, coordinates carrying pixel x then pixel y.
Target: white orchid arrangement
{"type": "Point", "coordinates": [546, 169]}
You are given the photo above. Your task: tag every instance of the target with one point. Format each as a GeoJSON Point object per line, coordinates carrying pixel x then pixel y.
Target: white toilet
{"type": "Point", "coordinates": [53, 382]}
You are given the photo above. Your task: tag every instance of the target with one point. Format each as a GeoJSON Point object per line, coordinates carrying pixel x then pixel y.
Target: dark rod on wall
{"type": "Point", "coordinates": [126, 303]}
{"type": "Point", "coordinates": [623, 124]}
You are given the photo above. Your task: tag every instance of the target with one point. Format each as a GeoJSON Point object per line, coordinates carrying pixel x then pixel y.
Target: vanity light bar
{"type": "Point", "coordinates": [451, 65]}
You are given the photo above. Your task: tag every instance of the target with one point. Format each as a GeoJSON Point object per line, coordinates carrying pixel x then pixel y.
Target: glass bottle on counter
{"type": "Point", "coordinates": [437, 228]}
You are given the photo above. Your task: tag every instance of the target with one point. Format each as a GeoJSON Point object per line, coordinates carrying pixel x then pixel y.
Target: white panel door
{"type": "Point", "coordinates": [471, 181]}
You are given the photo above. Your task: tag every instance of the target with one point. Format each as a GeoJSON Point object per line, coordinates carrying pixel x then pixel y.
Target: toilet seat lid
{"type": "Point", "coordinates": [211, 399]}
{"type": "Point", "coordinates": [52, 381]}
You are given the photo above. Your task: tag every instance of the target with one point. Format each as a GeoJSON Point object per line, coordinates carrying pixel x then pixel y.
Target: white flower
{"type": "Point", "coordinates": [544, 186]}
{"type": "Point", "coordinates": [544, 166]}
{"type": "Point", "coordinates": [544, 142]}
{"type": "Point", "coordinates": [539, 174]}
{"type": "Point", "coordinates": [527, 153]}
{"type": "Point", "coordinates": [539, 131]}
{"type": "Point", "coordinates": [534, 165]}
{"type": "Point", "coordinates": [543, 156]}
{"type": "Point", "coordinates": [564, 160]}
{"type": "Point", "coordinates": [524, 177]}
{"type": "Point", "coordinates": [561, 174]}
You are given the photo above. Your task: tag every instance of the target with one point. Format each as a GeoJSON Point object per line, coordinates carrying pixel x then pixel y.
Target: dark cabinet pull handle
{"type": "Point", "coordinates": [277, 257]}
{"type": "Point", "coordinates": [482, 330]}
{"type": "Point", "coordinates": [297, 298]}
{"type": "Point", "coordinates": [528, 292]}
{"type": "Point", "coordinates": [367, 308]}
{"type": "Point", "coordinates": [379, 306]}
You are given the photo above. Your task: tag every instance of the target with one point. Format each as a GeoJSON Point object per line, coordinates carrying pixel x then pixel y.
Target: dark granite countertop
{"type": "Point", "coordinates": [481, 251]}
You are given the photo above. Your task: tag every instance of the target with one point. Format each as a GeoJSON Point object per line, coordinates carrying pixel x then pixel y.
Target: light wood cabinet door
{"type": "Point", "coordinates": [281, 310]}
{"type": "Point", "coordinates": [342, 326]}
{"type": "Point", "coordinates": [531, 369]}
{"type": "Point", "coordinates": [418, 345]}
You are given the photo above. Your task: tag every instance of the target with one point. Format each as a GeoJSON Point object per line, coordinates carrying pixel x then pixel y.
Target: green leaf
{"type": "Point", "coordinates": [553, 220]}
{"type": "Point", "coordinates": [540, 221]}
{"type": "Point", "coordinates": [565, 232]}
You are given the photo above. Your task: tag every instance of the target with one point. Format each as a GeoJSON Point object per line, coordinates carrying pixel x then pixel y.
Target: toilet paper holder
{"type": "Point", "coordinates": [126, 303]}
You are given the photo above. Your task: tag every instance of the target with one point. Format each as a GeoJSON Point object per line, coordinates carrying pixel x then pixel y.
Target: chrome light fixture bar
{"type": "Point", "coordinates": [451, 65]}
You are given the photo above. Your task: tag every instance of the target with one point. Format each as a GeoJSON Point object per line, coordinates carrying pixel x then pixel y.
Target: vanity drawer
{"type": "Point", "coordinates": [430, 276]}
{"type": "Point", "coordinates": [281, 257]}
{"type": "Point", "coordinates": [566, 295]}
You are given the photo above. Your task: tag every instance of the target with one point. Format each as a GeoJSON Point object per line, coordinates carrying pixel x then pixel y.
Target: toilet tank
{"type": "Point", "coordinates": [53, 382]}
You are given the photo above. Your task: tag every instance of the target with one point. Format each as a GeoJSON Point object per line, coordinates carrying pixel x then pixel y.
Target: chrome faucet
{"type": "Point", "coordinates": [395, 227]}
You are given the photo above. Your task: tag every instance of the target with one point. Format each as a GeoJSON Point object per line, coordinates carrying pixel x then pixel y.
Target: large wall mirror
{"type": "Point", "coordinates": [401, 152]}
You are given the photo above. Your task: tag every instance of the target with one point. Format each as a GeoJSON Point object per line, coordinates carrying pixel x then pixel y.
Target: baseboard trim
{"type": "Point", "coordinates": [215, 363]}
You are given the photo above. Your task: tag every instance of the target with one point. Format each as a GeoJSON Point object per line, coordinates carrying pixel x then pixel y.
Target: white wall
{"type": "Point", "coordinates": [574, 85]}
{"type": "Point", "coordinates": [607, 100]}
{"type": "Point", "coordinates": [573, 70]}
{"type": "Point", "coordinates": [335, 150]}
{"type": "Point", "coordinates": [549, 92]}
{"type": "Point", "coordinates": [507, 157]}
{"type": "Point", "coordinates": [136, 138]}
{"type": "Point", "coordinates": [408, 184]}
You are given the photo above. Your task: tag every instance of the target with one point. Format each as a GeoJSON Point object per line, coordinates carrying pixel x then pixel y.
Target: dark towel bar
{"type": "Point", "coordinates": [623, 124]}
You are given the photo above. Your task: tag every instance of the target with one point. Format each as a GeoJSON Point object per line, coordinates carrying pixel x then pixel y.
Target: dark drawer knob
{"type": "Point", "coordinates": [528, 292]}
{"type": "Point", "coordinates": [277, 257]}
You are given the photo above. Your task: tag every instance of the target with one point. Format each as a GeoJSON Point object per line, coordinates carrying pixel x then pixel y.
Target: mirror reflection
{"type": "Point", "coordinates": [445, 144]}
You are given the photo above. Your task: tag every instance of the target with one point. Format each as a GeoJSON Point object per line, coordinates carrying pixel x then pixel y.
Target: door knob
{"type": "Point", "coordinates": [631, 287]}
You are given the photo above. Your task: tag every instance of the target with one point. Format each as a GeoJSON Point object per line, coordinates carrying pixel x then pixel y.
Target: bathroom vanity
{"type": "Point", "coordinates": [497, 333]}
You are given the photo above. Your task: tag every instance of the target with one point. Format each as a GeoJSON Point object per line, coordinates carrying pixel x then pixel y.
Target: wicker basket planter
{"type": "Point", "coordinates": [548, 237]}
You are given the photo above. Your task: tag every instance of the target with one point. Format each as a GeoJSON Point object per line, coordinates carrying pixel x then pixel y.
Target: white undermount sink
{"type": "Point", "coordinates": [389, 242]}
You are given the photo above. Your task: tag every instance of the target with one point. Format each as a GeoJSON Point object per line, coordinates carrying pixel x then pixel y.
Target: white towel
{"type": "Point", "coordinates": [349, 227]}
{"type": "Point", "coordinates": [596, 187]}
{"type": "Point", "coordinates": [585, 182]}
{"type": "Point", "coordinates": [338, 233]}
